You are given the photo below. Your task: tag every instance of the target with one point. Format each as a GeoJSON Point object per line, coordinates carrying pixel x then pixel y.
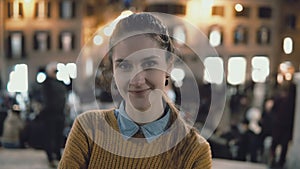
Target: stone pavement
{"type": "Point", "coordinates": [23, 159]}
{"type": "Point", "coordinates": [36, 159]}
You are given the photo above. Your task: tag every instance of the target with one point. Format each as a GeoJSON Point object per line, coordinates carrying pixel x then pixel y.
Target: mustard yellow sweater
{"type": "Point", "coordinates": [95, 142]}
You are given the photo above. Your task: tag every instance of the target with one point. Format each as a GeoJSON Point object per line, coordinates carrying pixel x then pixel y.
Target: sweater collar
{"type": "Point", "coordinates": [151, 131]}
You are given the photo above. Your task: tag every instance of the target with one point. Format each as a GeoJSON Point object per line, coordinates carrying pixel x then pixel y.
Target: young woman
{"type": "Point", "coordinates": [146, 130]}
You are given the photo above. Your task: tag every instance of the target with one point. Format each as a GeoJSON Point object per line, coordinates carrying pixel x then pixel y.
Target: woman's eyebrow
{"type": "Point", "coordinates": [119, 60]}
{"type": "Point", "coordinates": [144, 59]}
{"type": "Point", "coordinates": [150, 57]}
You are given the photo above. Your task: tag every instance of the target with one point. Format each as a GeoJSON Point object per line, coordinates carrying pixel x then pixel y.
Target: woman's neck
{"type": "Point", "coordinates": [154, 112]}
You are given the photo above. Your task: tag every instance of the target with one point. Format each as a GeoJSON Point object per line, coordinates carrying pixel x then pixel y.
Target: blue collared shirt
{"type": "Point", "coordinates": [151, 131]}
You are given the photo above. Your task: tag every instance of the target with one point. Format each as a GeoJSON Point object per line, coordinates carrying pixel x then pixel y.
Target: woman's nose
{"type": "Point", "coordinates": [138, 79]}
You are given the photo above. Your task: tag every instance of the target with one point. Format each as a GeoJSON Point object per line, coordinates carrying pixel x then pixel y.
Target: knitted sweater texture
{"type": "Point", "coordinates": [95, 142]}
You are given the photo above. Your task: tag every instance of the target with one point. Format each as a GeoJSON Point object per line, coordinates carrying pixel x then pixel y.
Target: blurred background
{"type": "Point", "coordinates": [256, 56]}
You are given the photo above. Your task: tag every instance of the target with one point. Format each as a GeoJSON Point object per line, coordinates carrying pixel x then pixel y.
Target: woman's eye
{"type": "Point", "coordinates": [124, 66]}
{"type": "Point", "coordinates": [149, 64]}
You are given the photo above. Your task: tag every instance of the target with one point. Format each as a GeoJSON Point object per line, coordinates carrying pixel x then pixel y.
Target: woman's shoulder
{"type": "Point", "coordinates": [95, 113]}
{"type": "Point", "coordinates": [95, 116]}
{"type": "Point", "coordinates": [197, 139]}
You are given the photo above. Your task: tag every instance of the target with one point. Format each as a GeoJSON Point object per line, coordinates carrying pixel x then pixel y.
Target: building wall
{"type": "Point", "coordinates": [29, 25]}
{"type": "Point", "coordinates": [199, 13]}
{"type": "Point", "coordinates": [252, 23]}
{"type": "Point", "coordinates": [290, 7]}
{"type": "Point", "coordinates": [88, 19]}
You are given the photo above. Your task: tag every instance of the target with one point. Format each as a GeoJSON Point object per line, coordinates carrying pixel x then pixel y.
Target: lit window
{"type": "Point", "coordinates": [18, 79]}
{"type": "Point", "coordinates": [42, 9]}
{"type": "Point", "coordinates": [177, 75]}
{"type": "Point", "coordinates": [217, 11]}
{"type": "Point", "coordinates": [236, 70]}
{"type": "Point", "coordinates": [264, 12]}
{"type": "Point", "coordinates": [263, 35]}
{"type": "Point", "coordinates": [179, 34]}
{"type": "Point", "coordinates": [214, 70]}
{"type": "Point", "coordinates": [15, 9]}
{"type": "Point", "coordinates": [72, 69]}
{"type": "Point", "coordinates": [215, 36]}
{"type": "Point", "coordinates": [241, 11]}
{"type": "Point", "coordinates": [288, 45]}
{"type": "Point", "coordinates": [41, 77]}
{"type": "Point", "coordinates": [42, 41]}
{"type": "Point", "coordinates": [238, 7]}
{"type": "Point", "coordinates": [260, 68]}
{"type": "Point", "coordinates": [67, 9]}
{"type": "Point", "coordinates": [66, 72]}
{"type": "Point", "coordinates": [16, 47]}
{"type": "Point", "coordinates": [66, 42]}
{"type": "Point", "coordinates": [240, 35]}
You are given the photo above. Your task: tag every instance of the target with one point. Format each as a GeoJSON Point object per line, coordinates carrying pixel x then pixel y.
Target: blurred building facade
{"type": "Point", "coordinates": [35, 32]}
{"type": "Point", "coordinates": [38, 32]}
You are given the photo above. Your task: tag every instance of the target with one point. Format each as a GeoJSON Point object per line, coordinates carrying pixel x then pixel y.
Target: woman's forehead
{"type": "Point", "coordinates": [137, 45]}
{"type": "Point", "coordinates": [139, 41]}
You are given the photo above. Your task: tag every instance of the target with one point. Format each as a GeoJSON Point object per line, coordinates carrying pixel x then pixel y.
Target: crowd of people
{"type": "Point", "coordinates": [41, 123]}
{"type": "Point", "coordinates": [256, 133]}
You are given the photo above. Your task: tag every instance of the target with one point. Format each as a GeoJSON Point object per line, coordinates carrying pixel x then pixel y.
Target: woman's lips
{"type": "Point", "coordinates": [139, 91]}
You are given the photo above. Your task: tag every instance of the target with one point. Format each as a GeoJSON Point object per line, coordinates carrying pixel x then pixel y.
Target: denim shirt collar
{"type": "Point", "coordinates": [151, 131]}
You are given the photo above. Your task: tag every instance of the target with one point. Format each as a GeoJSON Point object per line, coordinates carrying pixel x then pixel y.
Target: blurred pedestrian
{"type": "Point", "coordinates": [52, 115]}
{"type": "Point", "coordinates": [253, 115]}
{"type": "Point", "coordinates": [13, 126]}
{"type": "Point", "coordinates": [283, 122]}
{"type": "Point", "coordinates": [239, 104]}
{"type": "Point", "coordinates": [266, 126]}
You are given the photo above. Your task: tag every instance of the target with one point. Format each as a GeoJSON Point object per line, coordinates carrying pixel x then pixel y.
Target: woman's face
{"type": "Point", "coordinates": [139, 66]}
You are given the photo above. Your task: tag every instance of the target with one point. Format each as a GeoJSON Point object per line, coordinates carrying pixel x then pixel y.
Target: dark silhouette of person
{"type": "Point", "coordinates": [266, 126]}
{"type": "Point", "coordinates": [282, 123]}
{"type": "Point", "coordinates": [53, 116]}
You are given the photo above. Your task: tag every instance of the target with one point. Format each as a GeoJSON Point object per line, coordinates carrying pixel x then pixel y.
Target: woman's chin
{"type": "Point", "coordinates": [141, 106]}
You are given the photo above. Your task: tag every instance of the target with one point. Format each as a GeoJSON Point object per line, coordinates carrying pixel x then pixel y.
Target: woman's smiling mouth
{"type": "Point", "coordinates": [139, 92]}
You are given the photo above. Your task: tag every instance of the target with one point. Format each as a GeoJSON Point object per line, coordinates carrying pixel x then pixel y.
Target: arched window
{"type": "Point", "coordinates": [240, 35]}
{"type": "Point", "coordinates": [16, 45]}
{"type": "Point", "coordinates": [66, 41]}
{"type": "Point", "coordinates": [263, 35]}
{"type": "Point", "coordinates": [41, 40]}
{"type": "Point", "coordinates": [215, 36]}
{"type": "Point", "coordinates": [288, 45]}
